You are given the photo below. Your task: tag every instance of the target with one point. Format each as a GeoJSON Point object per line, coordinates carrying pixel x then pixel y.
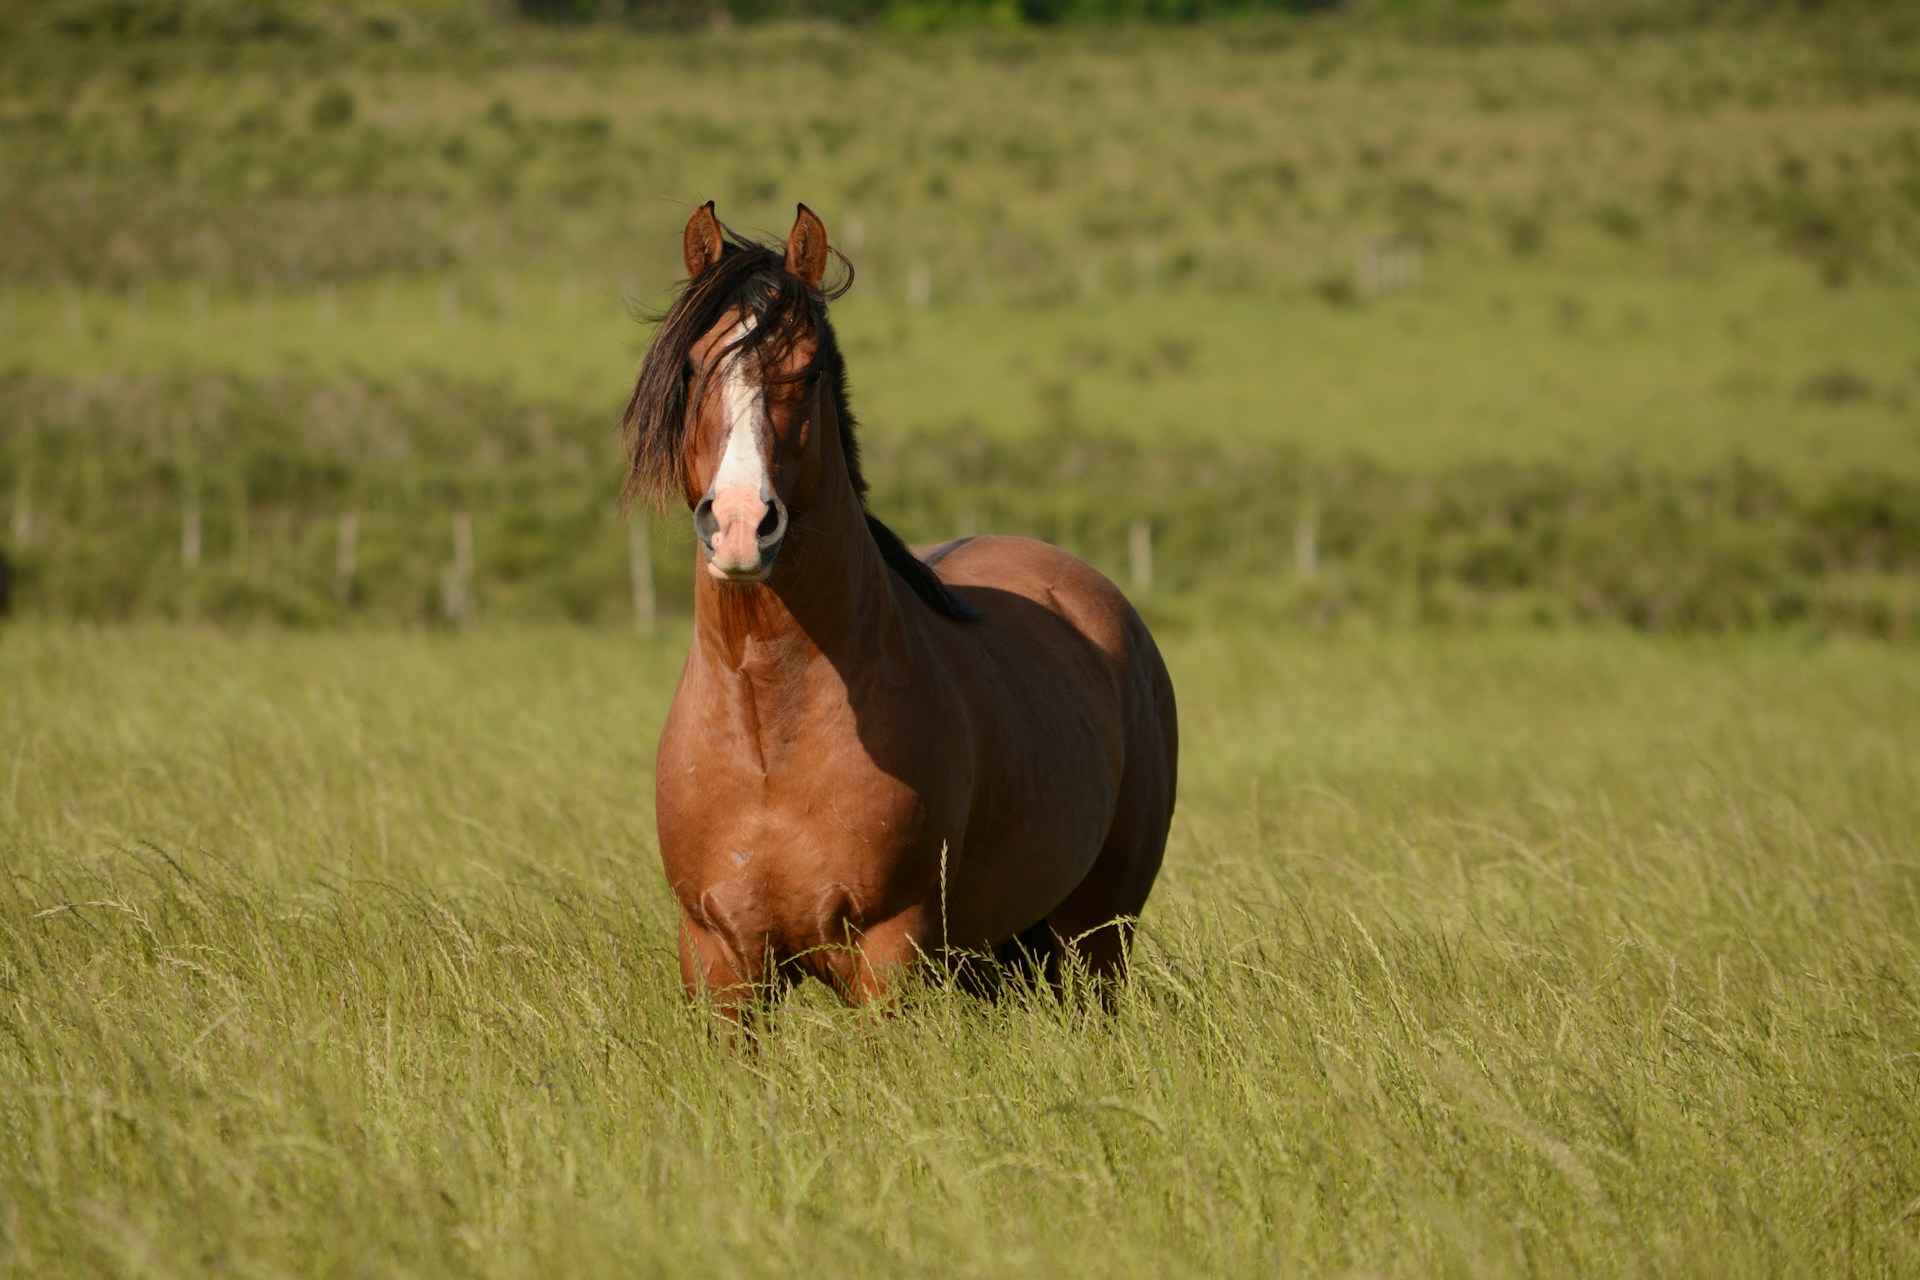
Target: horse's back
{"type": "Point", "coordinates": [996, 573]}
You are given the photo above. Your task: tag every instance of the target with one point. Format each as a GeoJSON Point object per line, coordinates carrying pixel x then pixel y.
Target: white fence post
{"type": "Point", "coordinates": [23, 506]}
{"type": "Point", "coordinates": [1140, 555]}
{"type": "Point", "coordinates": [242, 526]}
{"type": "Point", "coordinates": [346, 556]}
{"type": "Point", "coordinates": [1306, 540]}
{"type": "Point", "coordinates": [640, 571]}
{"type": "Point", "coordinates": [456, 585]}
{"type": "Point", "coordinates": [190, 527]}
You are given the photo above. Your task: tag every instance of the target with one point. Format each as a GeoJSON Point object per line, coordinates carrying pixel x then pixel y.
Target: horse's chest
{"type": "Point", "coordinates": [792, 854]}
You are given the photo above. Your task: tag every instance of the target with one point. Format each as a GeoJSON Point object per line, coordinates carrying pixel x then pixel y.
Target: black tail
{"type": "Point", "coordinates": [1027, 960]}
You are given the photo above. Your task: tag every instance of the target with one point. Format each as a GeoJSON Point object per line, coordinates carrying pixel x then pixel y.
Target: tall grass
{"type": "Point", "coordinates": [1473, 956]}
{"type": "Point", "coordinates": [1478, 952]}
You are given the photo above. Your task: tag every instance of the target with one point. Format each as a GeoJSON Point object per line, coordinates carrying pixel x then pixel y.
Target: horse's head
{"type": "Point", "coordinates": [741, 408]}
{"type": "Point", "coordinates": [739, 386]}
{"type": "Point", "coordinates": [754, 409]}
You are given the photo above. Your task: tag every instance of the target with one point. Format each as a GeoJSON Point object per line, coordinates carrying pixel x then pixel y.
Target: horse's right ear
{"type": "Point", "coordinates": [700, 243]}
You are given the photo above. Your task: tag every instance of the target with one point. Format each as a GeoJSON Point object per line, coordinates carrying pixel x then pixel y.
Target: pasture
{"type": "Point", "coordinates": [1523, 401]}
{"type": "Point", "coordinates": [1548, 314]}
{"type": "Point", "coordinates": [1474, 955]}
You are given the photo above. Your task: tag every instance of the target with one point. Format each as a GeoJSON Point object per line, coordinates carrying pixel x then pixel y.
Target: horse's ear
{"type": "Point", "coordinates": [807, 247]}
{"type": "Point", "coordinates": [700, 243]}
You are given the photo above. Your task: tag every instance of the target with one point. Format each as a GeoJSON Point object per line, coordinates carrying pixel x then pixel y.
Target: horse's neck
{"type": "Point", "coordinates": [829, 616]}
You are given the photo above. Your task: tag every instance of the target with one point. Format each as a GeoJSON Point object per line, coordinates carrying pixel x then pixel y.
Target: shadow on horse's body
{"type": "Point", "coordinates": [871, 757]}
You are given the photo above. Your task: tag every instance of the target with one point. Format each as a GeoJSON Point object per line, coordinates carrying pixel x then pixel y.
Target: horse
{"type": "Point", "coordinates": [874, 757]}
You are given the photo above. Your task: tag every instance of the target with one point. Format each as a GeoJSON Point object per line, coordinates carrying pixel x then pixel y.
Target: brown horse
{"type": "Point", "coordinates": [873, 757]}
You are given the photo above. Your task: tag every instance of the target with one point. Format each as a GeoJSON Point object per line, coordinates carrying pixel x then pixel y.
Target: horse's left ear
{"type": "Point", "coordinates": [807, 247]}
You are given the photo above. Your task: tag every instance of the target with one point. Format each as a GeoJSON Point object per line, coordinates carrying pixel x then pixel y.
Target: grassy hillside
{"type": "Point", "coordinates": [1638, 261]}
{"type": "Point", "coordinates": [1476, 956]}
{"type": "Point", "coordinates": [1507, 943]}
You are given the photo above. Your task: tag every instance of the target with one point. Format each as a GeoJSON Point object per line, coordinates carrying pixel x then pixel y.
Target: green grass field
{"type": "Point", "coordinates": [1474, 956]}
{"type": "Point", "coordinates": [1525, 403]}
{"type": "Point", "coordinates": [1540, 365]}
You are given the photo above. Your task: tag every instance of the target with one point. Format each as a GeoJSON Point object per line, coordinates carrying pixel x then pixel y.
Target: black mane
{"type": "Point", "coordinates": [754, 277]}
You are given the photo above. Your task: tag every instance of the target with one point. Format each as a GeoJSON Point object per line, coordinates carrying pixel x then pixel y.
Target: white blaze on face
{"type": "Point", "coordinates": [742, 465]}
{"type": "Point", "coordinates": [739, 485]}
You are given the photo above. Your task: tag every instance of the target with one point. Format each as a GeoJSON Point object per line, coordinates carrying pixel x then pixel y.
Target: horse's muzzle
{"type": "Point", "coordinates": [741, 531]}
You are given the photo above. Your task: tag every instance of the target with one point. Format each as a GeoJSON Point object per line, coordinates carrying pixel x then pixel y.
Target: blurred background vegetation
{"type": "Point", "coordinates": [1541, 312]}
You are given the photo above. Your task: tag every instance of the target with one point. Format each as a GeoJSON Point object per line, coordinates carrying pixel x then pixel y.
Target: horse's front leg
{"type": "Point", "coordinates": [871, 966]}
{"type": "Point", "coordinates": [735, 981]}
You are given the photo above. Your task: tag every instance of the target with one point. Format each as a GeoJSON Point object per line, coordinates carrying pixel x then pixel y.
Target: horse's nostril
{"type": "Point", "coordinates": [773, 525]}
{"type": "Point", "coordinates": [704, 525]}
